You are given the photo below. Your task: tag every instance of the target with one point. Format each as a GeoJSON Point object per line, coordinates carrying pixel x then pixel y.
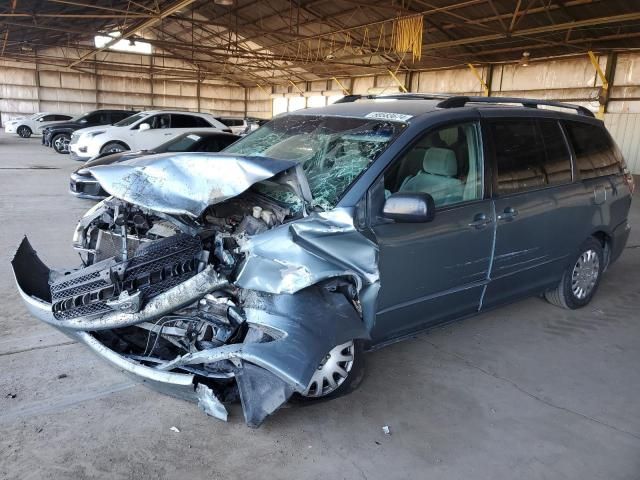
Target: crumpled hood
{"type": "Point", "coordinates": [187, 183]}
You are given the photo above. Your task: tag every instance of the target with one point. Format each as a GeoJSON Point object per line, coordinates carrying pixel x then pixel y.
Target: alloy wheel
{"type": "Point", "coordinates": [585, 274]}
{"type": "Point", "coordinates": [61, 144]}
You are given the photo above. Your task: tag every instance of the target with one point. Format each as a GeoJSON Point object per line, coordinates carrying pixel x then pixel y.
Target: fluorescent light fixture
{"type": "Point", "coordinates": [130, 46]}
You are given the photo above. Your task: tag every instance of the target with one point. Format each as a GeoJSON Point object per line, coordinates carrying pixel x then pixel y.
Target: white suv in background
{"type": "Point", "coordinates": [143, 131]}
{"type": "Point", "coordinates": [34, 124]}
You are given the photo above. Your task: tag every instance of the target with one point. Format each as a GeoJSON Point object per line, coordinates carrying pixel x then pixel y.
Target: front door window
{"type": "Point", "coordinates": [445, 163]}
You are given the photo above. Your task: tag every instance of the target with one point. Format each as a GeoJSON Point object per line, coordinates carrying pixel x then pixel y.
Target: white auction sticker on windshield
{"type": "Point", "coordinates": [398, 117]}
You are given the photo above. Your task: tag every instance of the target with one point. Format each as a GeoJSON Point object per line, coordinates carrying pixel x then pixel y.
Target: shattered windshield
{"type": "Point", "coordinates": [333, 151]}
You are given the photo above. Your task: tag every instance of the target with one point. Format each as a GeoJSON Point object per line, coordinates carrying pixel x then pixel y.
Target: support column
{"type": "Point", "coordinates": [485, 86]}
{"type": "Point", "coordinates": [198, 83]}
{"type": "Point", "coordinates": [152, 88]}
{"type": "Point", "coordinates": [95, 79]}
{"type": "Point", "coordinates": [605, 77]}
{"type": "Point", "coordinates": [37, 79]}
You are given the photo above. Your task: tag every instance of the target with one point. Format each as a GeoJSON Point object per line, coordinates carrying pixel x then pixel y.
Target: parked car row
{"type": "Point", "coordinates": [34, 124]}
{"type": "Point", "coordinates": [142, 131]}
{"type": "Point", "coordinates": [57, 129]}
{"type": "Point", "coordinates": [58, 135]}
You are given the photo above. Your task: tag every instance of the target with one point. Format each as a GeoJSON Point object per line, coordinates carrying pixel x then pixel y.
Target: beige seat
{"type": "Point", "coordinates": [437, 178]}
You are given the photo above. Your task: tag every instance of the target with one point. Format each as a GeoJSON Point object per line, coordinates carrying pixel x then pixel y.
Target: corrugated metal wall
{"type": "Point", "coordinates": [25, 89]}
{"type": "Point", "coordinates": [625, 128]}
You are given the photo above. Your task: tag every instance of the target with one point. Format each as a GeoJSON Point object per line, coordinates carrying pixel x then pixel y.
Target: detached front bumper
{"type": "Point", "coordinates": [308, 325]}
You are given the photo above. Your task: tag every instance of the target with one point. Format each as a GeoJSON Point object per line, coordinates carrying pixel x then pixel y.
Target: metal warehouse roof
{"type": "Point", "coordinates": [276, 41]}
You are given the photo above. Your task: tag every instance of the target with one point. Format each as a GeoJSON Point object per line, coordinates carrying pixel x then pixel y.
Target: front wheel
{"type": "Point", "coordinates": [61, 143]}
{"type": "Point", "coordinates": [581, 279]}
{"type": "Point", "coordinates": [24, 131]}
{"type": "Point", "coordinates": [113, 147]}
{"type": "Point", "coordinates": [340, 372]}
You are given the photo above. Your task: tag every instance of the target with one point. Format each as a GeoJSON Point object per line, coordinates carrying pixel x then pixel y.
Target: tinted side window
{"type": "Point", "coordinates": [529, 154]}
{"type": "Point", "coordinates": [63, 117]}
{"type": "Point", "coordinates": [594, 150]}
{"type": "Point", "coordinates": [201, 122]}
{"type": "Point", "coordinates": [93, 119]}
{"type": "Point", "coordinates": [49, 118]}
{"type": "Point", "coordinates": [117, 116]}
{"type": "Point", "coordinates": [184, 121]}
{"type": "Point", "coordinates": [557, 166]}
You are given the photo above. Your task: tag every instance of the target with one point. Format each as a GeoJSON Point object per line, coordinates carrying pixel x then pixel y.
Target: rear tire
{"type": "Point", "coordinates": [114, 147]}
{"type": "Point", "coordinates": [580, 280]}
{"type": "Point", "coordinates": [24, 131]}
{"type": "Point", "coordinates": [60, 143]}
{"type": "Point", "coordinates": [320, 390]}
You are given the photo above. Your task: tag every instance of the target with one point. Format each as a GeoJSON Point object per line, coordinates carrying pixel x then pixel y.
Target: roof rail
{"type": "Point", "coordinates": [394, 96]}
{"type": "Point", "coordinates": [461, 101]}
{"type": "Point", "coordinates": [353, 98]}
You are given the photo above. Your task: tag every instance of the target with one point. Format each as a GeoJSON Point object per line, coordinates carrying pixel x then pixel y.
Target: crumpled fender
{"type": "Point", "coordinates": [295, 256]}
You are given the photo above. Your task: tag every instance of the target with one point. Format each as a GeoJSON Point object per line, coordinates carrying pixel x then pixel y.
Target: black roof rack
{"type": "Point", "coordinates": [461, 101]}
{"type": "Point", "coordinates": [395, 96]}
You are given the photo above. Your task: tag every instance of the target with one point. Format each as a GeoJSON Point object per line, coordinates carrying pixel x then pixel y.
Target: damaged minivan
{"type": "Point", "coordinates": [263, 273]}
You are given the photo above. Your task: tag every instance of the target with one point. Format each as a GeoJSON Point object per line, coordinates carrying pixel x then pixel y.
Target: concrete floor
{"type": "Point", "coordinates": [528, 391]}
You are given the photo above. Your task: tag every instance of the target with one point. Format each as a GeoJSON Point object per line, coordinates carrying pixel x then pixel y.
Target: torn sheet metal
{"type": "Point", "coordinates": [295, 256]}
{"type": "Point", "coordinates": [261, 394]}
{"type": "Point", "coordinates": [209, 403]}
{"type": "Point", "coordinates": [185, 183]}
{"type": "Point", "coordinates": [306, 334]}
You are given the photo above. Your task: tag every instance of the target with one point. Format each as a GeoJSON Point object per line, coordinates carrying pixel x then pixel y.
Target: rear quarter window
{"type": "Point", "coordinates": [594, 150]}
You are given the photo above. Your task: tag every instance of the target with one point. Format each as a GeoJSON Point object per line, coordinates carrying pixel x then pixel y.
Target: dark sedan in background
{"type": "Point", "coordinates": [59, 135]}
{"type": "Point", "coordinates": [83, 185]}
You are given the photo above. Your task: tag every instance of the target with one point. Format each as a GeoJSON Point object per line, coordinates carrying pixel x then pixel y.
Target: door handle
{"type": "Point", "coordinates": [508, 214]}
{"type": "Point", "coordinates": [480, 221]}
{"type": "Point", "coordinates": [167, 134]}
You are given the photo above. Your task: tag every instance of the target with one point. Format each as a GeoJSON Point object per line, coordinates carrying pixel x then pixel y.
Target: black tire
{"type": "Point", "coordinates": [24, 131]}
{"type": "Point", "coordinates": [564, 295]}
{"type": "Point", "coordinates": [60, 143]}
{"type": "Point", "coordinates": [350, 383]}
{"type": "Point", "coordinates": [114, 147]}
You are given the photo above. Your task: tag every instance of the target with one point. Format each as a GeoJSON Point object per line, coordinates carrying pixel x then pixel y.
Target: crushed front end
{"type": "Point", "coordinates": [164, 297]}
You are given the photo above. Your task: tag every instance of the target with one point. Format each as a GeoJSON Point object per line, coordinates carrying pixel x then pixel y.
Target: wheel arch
{"type": "Point", "coordinates": [121, 142]}
{"type": "Point", "coordinates": [605, 240]}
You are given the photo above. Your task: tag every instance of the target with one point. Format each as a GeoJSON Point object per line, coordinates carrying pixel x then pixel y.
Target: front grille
{"type": "Point", "coordinates": [154, 268]}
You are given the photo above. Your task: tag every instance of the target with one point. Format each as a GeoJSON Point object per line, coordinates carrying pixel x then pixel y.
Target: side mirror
{"type": "Point", "coordinates": [409, 207]}
{"type": "Point", "coordinates": [144, 126]}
